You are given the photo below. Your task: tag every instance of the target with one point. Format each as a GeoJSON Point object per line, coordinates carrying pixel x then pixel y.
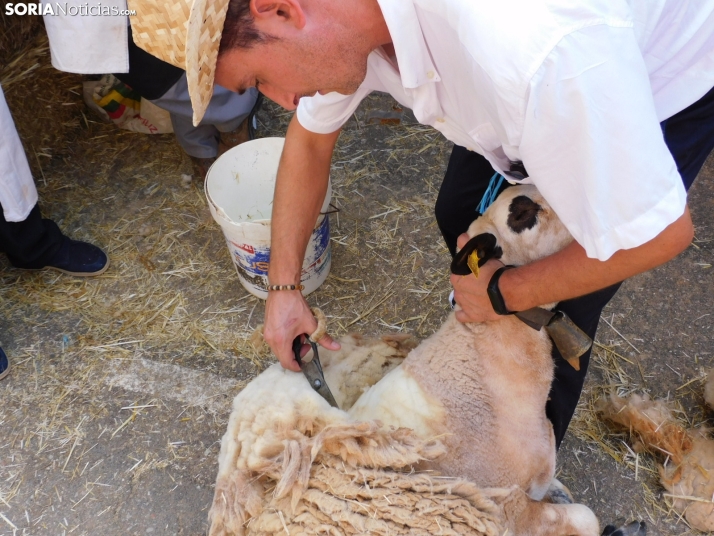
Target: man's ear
{"type": "Point", "coordinates": [278, 11]}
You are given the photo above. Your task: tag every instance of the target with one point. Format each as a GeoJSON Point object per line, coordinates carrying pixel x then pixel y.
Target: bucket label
{"type": "Point", "coordinates": [252, 260]}
{"type": "Point", "coordinates": [318, 251]}
{"type": "Point", "coordinates": [245, 247]}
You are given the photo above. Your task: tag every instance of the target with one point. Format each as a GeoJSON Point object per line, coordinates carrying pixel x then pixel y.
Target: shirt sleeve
{"type": "Point", "coordinates": [593, 145]}
{"type": "Point", "coordinates": [325, 114]}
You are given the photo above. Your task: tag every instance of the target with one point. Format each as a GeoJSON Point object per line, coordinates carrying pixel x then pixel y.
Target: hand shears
{"type": "Point", "coordinates": [313, 370]}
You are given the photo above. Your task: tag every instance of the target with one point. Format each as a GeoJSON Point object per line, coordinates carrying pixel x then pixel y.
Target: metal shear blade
{"type": "Point", "coordinates": [313, 371]}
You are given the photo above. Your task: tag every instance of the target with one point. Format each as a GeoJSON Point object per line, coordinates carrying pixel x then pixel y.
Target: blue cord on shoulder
{"type": "Point", "coordinates": [491, 192]}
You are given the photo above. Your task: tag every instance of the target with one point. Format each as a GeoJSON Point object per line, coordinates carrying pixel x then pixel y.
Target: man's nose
{"type": "Point", "coordinates": [286, 100]}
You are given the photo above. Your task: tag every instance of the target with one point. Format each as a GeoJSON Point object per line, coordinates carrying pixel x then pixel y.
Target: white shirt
{"type": "Point", "coordinates": [574, 90]}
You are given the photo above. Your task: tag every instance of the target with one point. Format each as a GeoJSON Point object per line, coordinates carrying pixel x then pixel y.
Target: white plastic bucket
{"type": "Point", "coordinates": [239, 188]}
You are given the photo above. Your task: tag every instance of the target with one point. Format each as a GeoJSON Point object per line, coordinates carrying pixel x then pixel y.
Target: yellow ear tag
{"type": "Point", "coordinates": [472, 262]}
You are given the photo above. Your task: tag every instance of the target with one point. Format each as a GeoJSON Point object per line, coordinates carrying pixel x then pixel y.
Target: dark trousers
{"type": "Point", "coordinates": [30, 243]}
{"type": "Point", "coordinates": [690, 138]}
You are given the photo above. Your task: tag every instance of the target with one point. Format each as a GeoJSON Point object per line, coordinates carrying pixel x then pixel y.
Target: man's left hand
{"type": "Point", "coordinates": [564, 275]}
{"type": "Point", "coordinates": [470, 291]}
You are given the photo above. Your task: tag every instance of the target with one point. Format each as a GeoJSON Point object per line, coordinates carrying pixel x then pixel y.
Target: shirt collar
{"type": "Point", "coordinates": [413, 58]}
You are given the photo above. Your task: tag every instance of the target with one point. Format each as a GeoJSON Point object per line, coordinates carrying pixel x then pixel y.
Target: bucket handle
{"type": "Point", "coordinates": [334, 210]}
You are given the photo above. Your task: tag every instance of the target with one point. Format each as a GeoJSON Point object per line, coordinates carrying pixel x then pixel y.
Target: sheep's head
{"type": "Point", "coordinates": [520, 227]}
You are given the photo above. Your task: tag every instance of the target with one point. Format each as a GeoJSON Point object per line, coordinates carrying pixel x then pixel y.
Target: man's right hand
{"type": "Point", "coordinates": [300, 189]}
{"type": "Point", "coordinates": [287, 316]}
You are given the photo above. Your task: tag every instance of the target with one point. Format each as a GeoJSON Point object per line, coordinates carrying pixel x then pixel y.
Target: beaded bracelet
{"type": "Point", "coordinates": [285, 287]}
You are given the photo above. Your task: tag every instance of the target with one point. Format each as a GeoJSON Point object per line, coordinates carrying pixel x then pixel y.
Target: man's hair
{"type": "Point", "coordinates": [239, 30]}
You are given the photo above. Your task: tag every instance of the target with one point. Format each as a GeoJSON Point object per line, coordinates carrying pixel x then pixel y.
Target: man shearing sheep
{"type": "Point", "coordinates": [606, 106]}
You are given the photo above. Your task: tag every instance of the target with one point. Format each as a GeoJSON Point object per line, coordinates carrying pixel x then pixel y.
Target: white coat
{"type": "Point", "coordinates": [87, 43]}
{"type": "Point", "coordinates": [17, 189]}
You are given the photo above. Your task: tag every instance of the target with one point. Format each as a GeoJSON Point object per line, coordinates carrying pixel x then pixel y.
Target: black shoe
{"type": "Point", "coordinates": [79, 258]}
{"type": "Point", "coordinates": [4, 365]}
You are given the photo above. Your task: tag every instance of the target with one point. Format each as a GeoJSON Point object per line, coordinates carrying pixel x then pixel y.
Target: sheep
{"type": "Point", "coordinates": [483, 363]}
{"type": "Point", "coordinates": [290, 463]}
{"type": "Point", "coordinates": [459, 404]}
{"type": "Point", "coordinates": [687, 453]}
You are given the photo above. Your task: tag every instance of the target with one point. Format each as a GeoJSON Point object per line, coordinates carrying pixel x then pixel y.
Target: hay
{"type": "Point", "coordinates": [619, 371]}
{"type": "Point", "coordinates": [17, 32]}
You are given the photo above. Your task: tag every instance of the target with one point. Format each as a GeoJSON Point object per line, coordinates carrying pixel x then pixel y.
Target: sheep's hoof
{"type": "Point", "coordinates": [635, 528]}
{"type": "Point", "coordinates": [558, 493]}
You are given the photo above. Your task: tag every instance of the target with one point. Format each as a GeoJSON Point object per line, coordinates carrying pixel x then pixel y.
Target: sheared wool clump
{"type": "Point", "coordinates": [291, 462]}
{"type": "Point", "coordinates": [688, 470]}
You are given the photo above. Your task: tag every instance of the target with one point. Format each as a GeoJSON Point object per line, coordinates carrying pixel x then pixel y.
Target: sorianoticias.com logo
{"type": "Point", "coordinates": [74, 10]}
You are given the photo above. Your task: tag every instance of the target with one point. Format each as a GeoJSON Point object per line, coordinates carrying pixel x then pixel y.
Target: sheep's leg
{"type": "Point", "coordinates": [544, 519]}
{"type": "Point", "coordinates": [558, 493]}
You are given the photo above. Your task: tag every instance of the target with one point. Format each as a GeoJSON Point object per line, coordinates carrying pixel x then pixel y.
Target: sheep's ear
{"type": "Point", "coordinates": [522, 214]}
{"type": "Point", "coordinates": [486, 249]}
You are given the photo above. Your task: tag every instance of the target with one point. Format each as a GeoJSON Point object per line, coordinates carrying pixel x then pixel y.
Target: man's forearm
{"type": "Point", "coordinates": [299, 194]}
{"type": "Point", "coordinates": [571, 273]}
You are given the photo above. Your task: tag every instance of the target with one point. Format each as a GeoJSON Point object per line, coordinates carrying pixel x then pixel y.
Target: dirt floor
{"type": "Point", "coordinates": [120, 385]}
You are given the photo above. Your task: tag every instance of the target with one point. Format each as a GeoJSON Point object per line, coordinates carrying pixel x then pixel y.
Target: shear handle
{"type": "Point", "coordinates": [297, 348]}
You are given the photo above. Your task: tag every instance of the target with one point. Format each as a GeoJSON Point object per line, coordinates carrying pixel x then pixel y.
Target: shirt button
{"type": "Point", "coordinates": [430, 75]}
{"type": "Point", "coordinates": [440, 119]}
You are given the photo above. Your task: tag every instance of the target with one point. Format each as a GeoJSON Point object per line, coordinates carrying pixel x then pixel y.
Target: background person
{"type": "Point", "coordinates": [104, 44]}
{"type": "Point", "coordinates": [30, 241]}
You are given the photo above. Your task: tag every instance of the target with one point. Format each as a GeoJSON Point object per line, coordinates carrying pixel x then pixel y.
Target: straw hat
{"type": "Point", "coordinates": [184, 33]}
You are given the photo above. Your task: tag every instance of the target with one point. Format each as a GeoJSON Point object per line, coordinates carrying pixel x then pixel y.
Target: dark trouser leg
{"type": "Point", "coordinates": [30, 243]}
{"type": "Point", "coordinates": [465, 182]}
{"type": "Point", "coordinates": [568, 382]}
{"type": "Point", "coordinates": [690, 137]}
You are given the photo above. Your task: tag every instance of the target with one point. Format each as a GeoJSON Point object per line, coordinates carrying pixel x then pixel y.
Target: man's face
{"type": "Point", "coordinates": [297, 65]}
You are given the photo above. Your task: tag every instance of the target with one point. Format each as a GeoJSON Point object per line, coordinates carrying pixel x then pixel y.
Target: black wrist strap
{"type": "Point", "coordinates": [494, 293]}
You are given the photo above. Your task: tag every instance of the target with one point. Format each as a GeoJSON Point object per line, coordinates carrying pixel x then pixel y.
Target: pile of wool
{"type": "Point", "coordinates": [687, 468]}
{"type": "Point", "coordinates": [291, 464]}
